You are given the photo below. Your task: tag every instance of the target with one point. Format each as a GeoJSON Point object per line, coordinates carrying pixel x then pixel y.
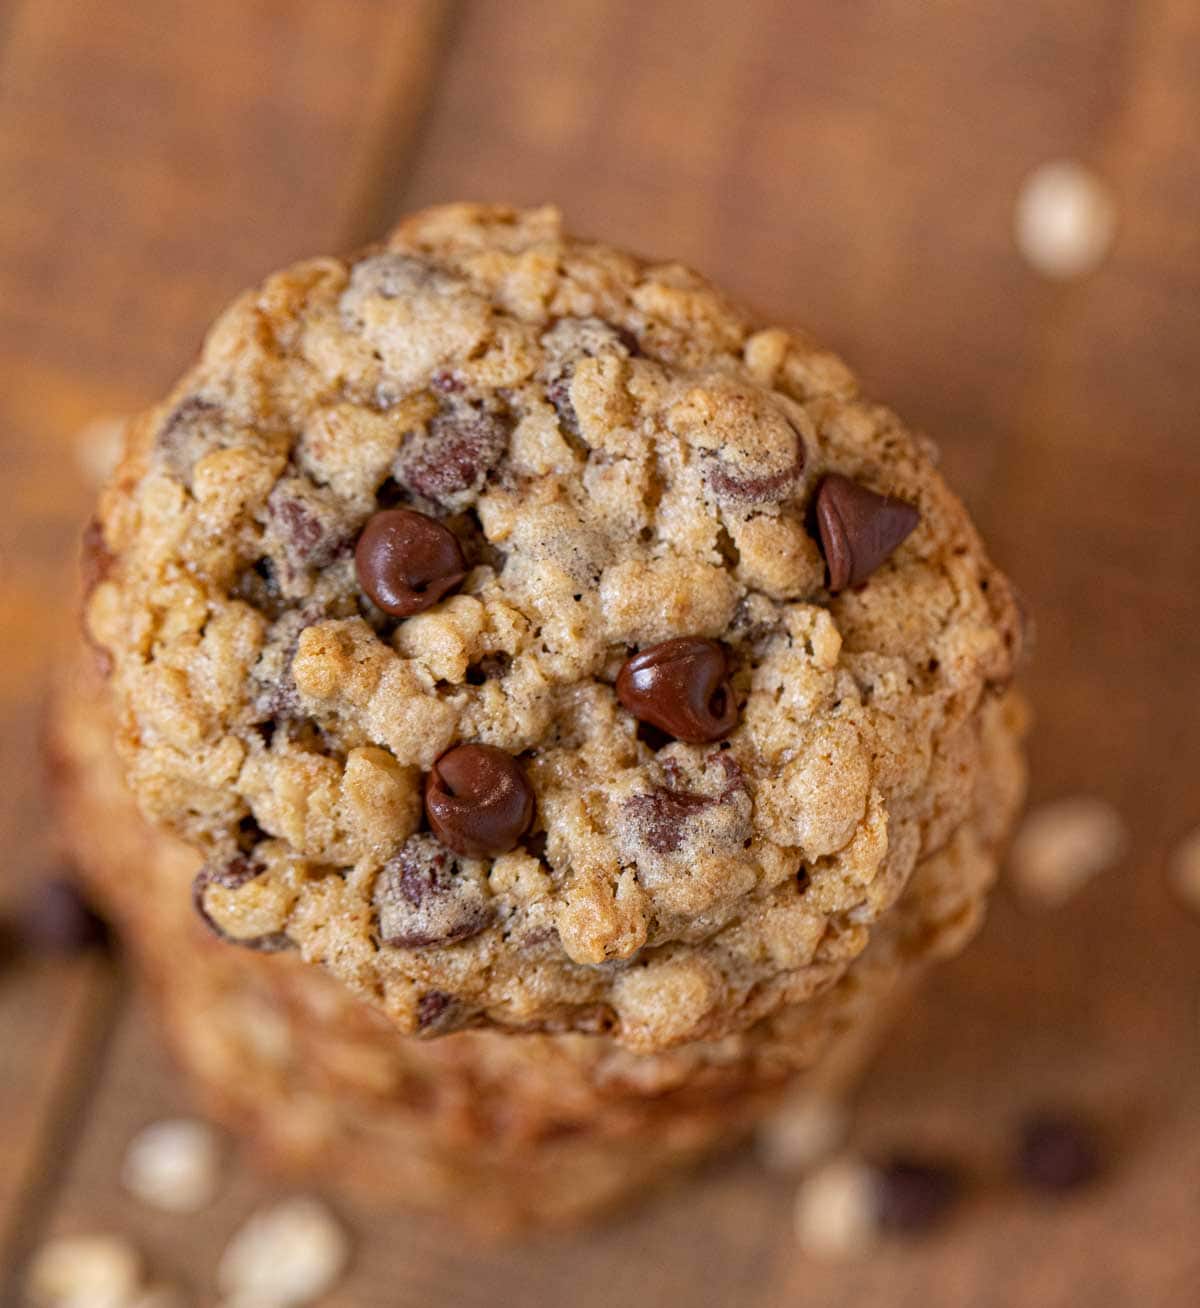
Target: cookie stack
{"type": "Point", "coordinates": [564, 714]}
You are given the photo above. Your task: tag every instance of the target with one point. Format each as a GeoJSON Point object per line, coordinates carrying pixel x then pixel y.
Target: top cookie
{"type": "Point", "coordinates": [534, 639]}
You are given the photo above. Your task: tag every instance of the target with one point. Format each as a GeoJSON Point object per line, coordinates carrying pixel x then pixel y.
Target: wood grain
{"type": "Point", "coordinates": [852, 167]}
{"type": "Point", "coordinates": [155, 155]}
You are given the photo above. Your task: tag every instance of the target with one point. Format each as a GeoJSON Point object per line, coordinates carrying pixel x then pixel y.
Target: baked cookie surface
{"type": "Point", "coordinates": [535, 640]}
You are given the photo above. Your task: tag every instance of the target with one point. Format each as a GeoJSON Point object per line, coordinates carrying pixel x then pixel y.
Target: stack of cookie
{"type": "Point", "coordinates": [563, 714]}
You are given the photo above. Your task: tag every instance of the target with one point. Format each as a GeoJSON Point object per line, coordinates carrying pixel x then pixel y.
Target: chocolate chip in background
{"type": "Point", "coordinates": [682, 687]}
{"type": "Point", "coordinates": [449, 461]}
{"type": "Point", "coordinates": [1056, 1152]}
{"type": "Point", "coordinates": [406, 561]}
{"type": "Point", "coordinates": [914, 1195]}
{"type": "Point", "coordinates": [425, 896]}
{"type": "Point", "coordinates": [57, 919]}
{"type": "Point", "coordinates": [858, 528]}
{"type": "Point", "coordinates": [478, 800]}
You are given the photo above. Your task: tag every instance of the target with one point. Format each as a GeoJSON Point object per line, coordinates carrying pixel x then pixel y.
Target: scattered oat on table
{"type": "Point", "coordinates": [1062, 844]}
{"type": "Point", "coordinates": [804, 1130]}
{"type": "Point", "coordinates": [837, 1214]}
{"type": "Point", "coordinates": [174, 1165]}
{"type": "Point", "coordinates": [1184, 870]}
{"type": "Point", "coordinates": [1065, 219]}
{"type": "Point", "coordinates": [84, 1271]}
{"type": "Point", "coordinates": [284, 1256]}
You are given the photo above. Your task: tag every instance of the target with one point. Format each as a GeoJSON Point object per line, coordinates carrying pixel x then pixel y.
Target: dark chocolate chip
{"type": "Point", "coordinates": [406, 562]}
{"type": "Point", "coordinates": [1056, 1152]}
{"type": "Point", "coordinates": [661, 817]}
{"type": "Point", "coordinates": [478, 800]}
{"type": "Point", "coordinates": [425, 897]}
{"type": "Point", "coordinates": [858, 528]}
{"type": "Point", "coordinates": [232, 875]}
{"type": "Point", "coordinates": [682, 687]}
{"type": "Point", "coordinates": [56, 919]}
{"type": "Point", "coordinates": [461, 446]}
{"type": "Point", "coordinates": [913, 1196]}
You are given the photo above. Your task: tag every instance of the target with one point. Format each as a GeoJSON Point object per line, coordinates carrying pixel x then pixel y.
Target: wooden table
{"type": "Point", "coordinates": [852, 166]}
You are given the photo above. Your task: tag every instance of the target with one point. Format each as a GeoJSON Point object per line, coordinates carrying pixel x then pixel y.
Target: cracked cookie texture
{"type": "Point", "coordinates": [625, 458]}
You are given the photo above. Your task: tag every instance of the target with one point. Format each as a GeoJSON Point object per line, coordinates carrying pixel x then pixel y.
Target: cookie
{"type": "Point", "coordinates": [539, 642]}
{"type": "Point", "coordinates": [500, 1130]}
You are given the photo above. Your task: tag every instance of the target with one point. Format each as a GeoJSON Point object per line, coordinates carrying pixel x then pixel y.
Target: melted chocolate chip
{"type": "Point", "coordinates": [58, 920]}
{"type": "Point", "coordinates": [741, 485]}
{"type": "Point", "coordinates": [190, 431]}
{"type": "Point", "coordinates": [1056, 1153]}
{"type": "Point", "coordinates": [858, 529]}
{"type": "Point", "coordinates": [406, 561]}
{"type": "Point", "coordinates": [434, 1011]}
{"type": "Point", "coordinates": [478, 800]}
{"type": "Point", "coordinates": [913, 1196]}
{"type": "Point", "coordinates": [307, 526]}
{"type": "Point", "coordinates": [682, 687]}
{"type": "Point", "coordinates": [461, 446]}
{"type": "Point", "coordinates": [232, 876]}
{"type": "Point", "coordinates": [425, 897]}
{"type": "Point", "coordinates": [662, 817]}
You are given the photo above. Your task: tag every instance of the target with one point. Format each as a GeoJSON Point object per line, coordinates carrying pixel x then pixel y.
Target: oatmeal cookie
{"type": "Point", "coordinates": [538, 641]}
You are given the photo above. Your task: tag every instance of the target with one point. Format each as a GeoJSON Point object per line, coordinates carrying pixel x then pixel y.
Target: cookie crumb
{"type": "Point", "coordinates": [1056, 1153]}
{"type": "Point", "coordinates": [1184, 870]}
{"type": "Point", "coordinates": [1062, 845]}
{"type": "Point", "coordinates": [173, 1165]}
{"type": "Point", "coordinates": [285, 1255]}
{"type": "Point", "coordinates": [84, 1271]}
{"type": "Point", "coordinates": [837, 1211]}
{"type": "Point", "coordinates": [803, 1131]}
{"type": "Point", "coordinates": [1065, 219]}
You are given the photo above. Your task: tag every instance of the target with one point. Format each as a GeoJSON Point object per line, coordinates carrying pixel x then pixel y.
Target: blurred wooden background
{"type": "Point", "coordinates": [850, 166]}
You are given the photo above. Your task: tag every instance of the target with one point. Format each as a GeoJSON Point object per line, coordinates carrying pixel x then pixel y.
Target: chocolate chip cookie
{"type": "Point", "coordinates": [538, 641]}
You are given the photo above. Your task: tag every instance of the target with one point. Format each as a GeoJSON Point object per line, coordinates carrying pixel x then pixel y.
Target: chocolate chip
{"type": "Point", "coordinates": [58, 920]}
{"type": "Point", "coordinates": [191, 431]}
{"type": "Point", "coordinates": [478, 800]}
{"type": "Point", "coordinates": [913, 1196]}
{"type": "Point", "coordinates": [682, 687]}
{"type": "Point", "coordinates": [1056, 1152]}
{"type": "Point", "coordinates": [433, 1010]}
{"type": "Point", "coordinates": [306, 528]}
{"type": "Point", "coordinates": [232, 875]}
{"type": "Point", "coordinates": [460, 447]}
{"type": "Point", "coordinates": [740, 485]}
{"type": "Point", "coordinates": [662, 816]}
{"type": "Point", "coordinates": [406, 561]}
{"type": "Point", "coordinates": [424, 896]}
{"type": "Point", "coordinates": [858, 528]}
